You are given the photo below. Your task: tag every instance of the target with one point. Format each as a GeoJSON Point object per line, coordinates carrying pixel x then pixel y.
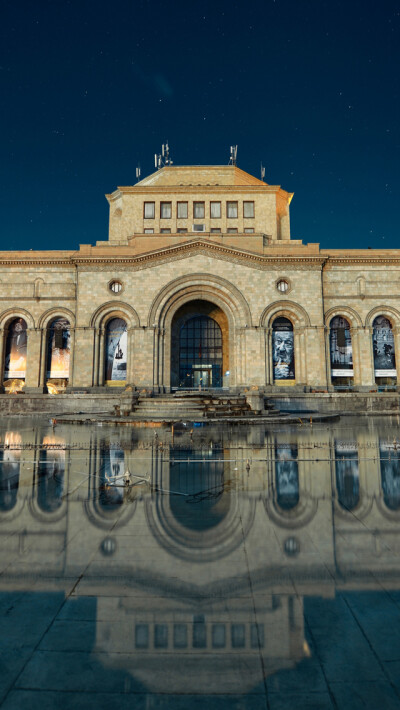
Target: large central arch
{"type": "Point", "coordinates": [199, 346]}
{"type": "Point", "coordinates": [192, 296]}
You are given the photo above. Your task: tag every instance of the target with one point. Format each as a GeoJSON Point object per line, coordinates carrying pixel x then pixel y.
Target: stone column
{"type": "Point", "coordinates": [130, 365]}
{"type": "Point", "coordinates": [396, 336]}
{"type": "Point", "coordinates": [43, 350]}
{"type": "Point", "coordinates": [84, 357]}
{"type": "Point", "coordinates": [366, 358]}
{"type": "Point", "coordinates": [71, 358]}
{"type": "Point", "coordinates": [2, 357]}
{"type": "Point", "coordinates": [101, 361]}
{"type": "Point", "coordinates": [33, 362]}
{"type": "Point", "coordinates": [354, 334]}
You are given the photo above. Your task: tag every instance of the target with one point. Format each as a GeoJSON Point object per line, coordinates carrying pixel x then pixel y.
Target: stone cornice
{"type": "Point", "coordinates": [202, 246]}
{"type": "Point", "coordinates": [284, 259]}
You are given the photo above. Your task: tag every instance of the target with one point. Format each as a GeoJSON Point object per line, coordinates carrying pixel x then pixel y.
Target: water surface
{"type": "Point", "coordinates": [231, 567]}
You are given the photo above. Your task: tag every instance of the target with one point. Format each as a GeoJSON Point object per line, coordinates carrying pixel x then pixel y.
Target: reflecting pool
{"type": "Point", "coordinates": [213, 567]}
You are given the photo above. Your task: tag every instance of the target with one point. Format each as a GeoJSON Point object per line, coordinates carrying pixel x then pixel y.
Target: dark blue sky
{"type": "Point", "coordinates": [308, 87]}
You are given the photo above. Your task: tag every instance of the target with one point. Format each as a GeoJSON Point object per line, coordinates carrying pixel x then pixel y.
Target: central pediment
{"type": "Point", "coordinates": [200, 175]}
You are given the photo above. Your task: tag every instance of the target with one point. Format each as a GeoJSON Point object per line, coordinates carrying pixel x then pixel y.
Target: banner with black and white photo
{"type": "Point", "coordinates": [283, 349]}
{"type": "Point", "coordinates": [383, 343]}
{"type": "Point", "coordinates": [116, 349]}
{"type": "Point", "coordinates": [16, 347]}
{"type": "Point", "coordinates": [341, 348]}
{"type": "Point", "coordinates": [59, 349]}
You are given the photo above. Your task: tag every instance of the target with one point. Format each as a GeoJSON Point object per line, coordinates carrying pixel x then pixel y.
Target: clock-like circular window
{"type": "Point", "coordinates": [283, 285]}
{"type": "Point", "coordinates": [115, 286]}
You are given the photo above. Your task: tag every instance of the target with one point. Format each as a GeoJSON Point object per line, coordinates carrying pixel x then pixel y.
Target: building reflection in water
{"type": "Point", "coordinates": [9, 470]}
{"type": "Point", "coordinates": [51, 472]}
{"type": "Point", "coordinates": [347, 474]}
{"type": "Point", "coordinates": [208, 554]}
{"type": "Point", "coordinates": [287, 476]}
{"type": "Point", "coordinates": [390, 473]}
{"type": "Point", "coordinates": [111, 477]}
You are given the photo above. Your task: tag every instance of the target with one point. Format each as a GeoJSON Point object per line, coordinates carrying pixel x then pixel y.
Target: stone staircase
{"type": "Point", "coordinates": [192, 406]}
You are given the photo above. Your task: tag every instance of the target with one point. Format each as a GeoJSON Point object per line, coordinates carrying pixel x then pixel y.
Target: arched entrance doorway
{"type": "Point", "coordinates": [199, 347]}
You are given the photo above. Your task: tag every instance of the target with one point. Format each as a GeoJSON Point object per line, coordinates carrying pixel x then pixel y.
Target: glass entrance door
{"type": "Point", "coordinates": [202, 377]}
{"type": "Point", "coordinates": [200, 353]}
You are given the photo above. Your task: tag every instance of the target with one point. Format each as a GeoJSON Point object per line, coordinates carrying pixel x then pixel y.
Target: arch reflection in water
{"type": "Point", "coordinates": [111, 491]}
{"type": "Point", "coordinates": [347, 474]}
{"type": "Point", "coordinates": [286, 475]}
{"type": "Point", "coordinates": [197, 498]}
{"type": "Point", "coordinates": [10, 459]}
{"type": "Point", "coordinates": [51, 473]}
{"type": "Point", "coordinates": [390, 475]}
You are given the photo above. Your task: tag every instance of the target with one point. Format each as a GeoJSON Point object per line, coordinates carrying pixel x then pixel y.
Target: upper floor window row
{"type": "Point", "coordinates": [199, 210]}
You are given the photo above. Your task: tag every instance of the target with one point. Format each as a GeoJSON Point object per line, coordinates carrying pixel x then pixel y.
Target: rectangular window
{"type": "Point", "coordinates": [249, 230]}
{"type": "Point", "coordinates": [199, 227]}
{"type": "Point", "coordinates": [182, 210]}
{"type": "Point", "coordinates": [215, 210]}
{"type": "Point", "coordinates": [232, 230]}
{"type": "Point", "coordinates": [248, 209]}
{"type": "Point", "coordinates": [149, 210]}
{"type": "Point", "coordinates": [164, 230]}
{"type": "Point", "coordinates": [182, 230]}
{"type": "Point", "coordinates": [165, 210]}
{"type": "Point", "coordinates": [215, 230]}
{"type": "Point", "coordinates": [198, 210]}
{"type": "Point", "coordinates": [232, 210]}
{"type": "Point", "coordinates": [149, 230]}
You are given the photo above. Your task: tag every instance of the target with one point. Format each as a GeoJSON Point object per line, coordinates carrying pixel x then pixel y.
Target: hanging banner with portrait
{"type": "Point", "coordinates": [59, 349]}
{"type": "Point", "coordinates": [283, 349]}
{"type": "Point", "coordinates": [341, 348]}
{"type": "Point", "coordinates": [383, 342]}
{"type": "Point", "coordinates": [16, 346]}
{"type": "Point", "coordinates": [116, 350]}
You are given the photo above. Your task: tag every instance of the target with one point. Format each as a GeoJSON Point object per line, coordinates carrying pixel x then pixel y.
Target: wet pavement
{"type": "Point", "coordinates": [216, 567]}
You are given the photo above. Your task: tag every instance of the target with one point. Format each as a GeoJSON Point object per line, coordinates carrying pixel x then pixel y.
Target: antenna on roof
{"type": "Point", "coordinates": [262, 172]}
{"type": "Point", "coordinates": [163, 158]}
{"type": "Point", "coordinates": [233, 155]}
{"type": "Point", "coordinates": [138, 172]}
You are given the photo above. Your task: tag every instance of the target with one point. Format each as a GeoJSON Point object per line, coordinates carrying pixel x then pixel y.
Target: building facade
{"type": "Point", "coordinates": [199, 284]}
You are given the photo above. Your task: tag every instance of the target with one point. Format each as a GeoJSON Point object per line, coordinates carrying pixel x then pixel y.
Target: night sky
{"type": "Point", "coordinates": [308, 87]}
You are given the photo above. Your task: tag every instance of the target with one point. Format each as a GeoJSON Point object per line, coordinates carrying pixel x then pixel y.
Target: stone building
{"type": "Point", "coordinates": [199, 284]}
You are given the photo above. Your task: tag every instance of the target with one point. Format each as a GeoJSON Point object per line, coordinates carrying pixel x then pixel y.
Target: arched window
{"type": "Point", "coordinates": [286, 476]}
{"type": "Point", "coordinates": [283, 349]}
{"type": "Point", "coordinates": [58, 355]}
{"type": "Point", "coordinates": [347, 475]}
{"type": "Point", "coordinates": [390, 475]}
{"type": "Point", "coordinates": [384, 352]}
{"type": "Point", "coordinates": [200, 353]}
{"type": "Point", "coordinates": [15, 356]}
{"type": "Point", "coordinates": [341, 350]}
{"type": "Point", "coordinates": [116, 351]}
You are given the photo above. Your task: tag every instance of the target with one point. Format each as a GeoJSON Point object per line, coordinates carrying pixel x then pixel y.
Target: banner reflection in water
{"type": "Point", "coordinates": [347, 474]}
